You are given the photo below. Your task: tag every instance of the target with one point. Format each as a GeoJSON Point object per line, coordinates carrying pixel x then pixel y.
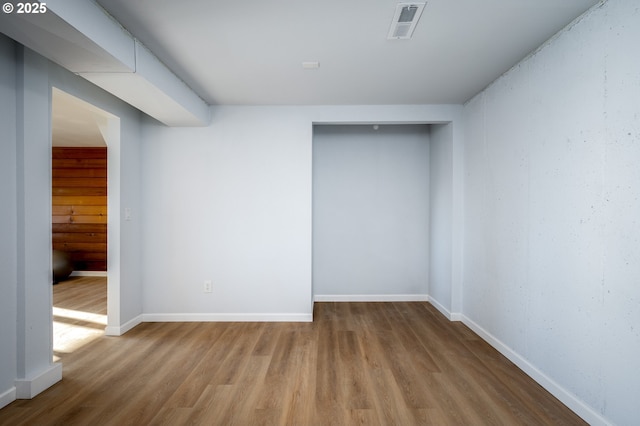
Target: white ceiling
{"type": "Point", "coordinates": [76, 123]}
{"type": "Point", "coordinates": [251, 51]}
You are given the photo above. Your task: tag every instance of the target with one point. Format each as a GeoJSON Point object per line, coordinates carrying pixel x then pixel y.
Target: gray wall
{"type": "Point", "coordinates": [370, 210]}
{"type": "Point", "coordinates": [552, 208]}
{"type": "Point", "coordinates": [33, 166]}
{"type": "Point", "coordinates": [26, 80]}
{"type": "Point", "coordinates": [233, 201]}
{"type": "Point", "coordinates": [228, 203]}
{"type": "Point", "coordinates": [441, 217]}
{"type": "Point", "coordinates": [8, 218]}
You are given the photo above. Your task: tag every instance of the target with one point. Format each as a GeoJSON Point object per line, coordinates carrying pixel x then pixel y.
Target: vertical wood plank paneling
{"type": "Point", "coordinates": [79, 205]}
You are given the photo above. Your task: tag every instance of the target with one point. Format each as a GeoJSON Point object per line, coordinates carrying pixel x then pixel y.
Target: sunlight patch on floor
{"type": "Point", "coordinates": [73, 329]}
{"type": "Point", "coordinates": [80, 315]}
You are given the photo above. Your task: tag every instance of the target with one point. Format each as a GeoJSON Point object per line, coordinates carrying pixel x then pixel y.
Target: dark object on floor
{"type": "Point", "coordinates": [62, 266]}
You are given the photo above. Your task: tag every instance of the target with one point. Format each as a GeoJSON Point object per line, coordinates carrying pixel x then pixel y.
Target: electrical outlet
{"type": "Point", "coordinates": [208, 287]}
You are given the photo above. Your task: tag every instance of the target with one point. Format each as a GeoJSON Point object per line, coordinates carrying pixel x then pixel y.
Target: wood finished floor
{"type": "Point", "coordinates": [357, 363]}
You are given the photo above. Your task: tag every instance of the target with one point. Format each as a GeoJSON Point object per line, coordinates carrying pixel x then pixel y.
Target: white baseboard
{"type": "Point", "coordinates": [227, 317]}
{"type": "Point", "coordinates": [439, 306]}
{"type": "Point", "coordinates": [120, 330]}
{"type": "Point", "coordinates": [566, 397]}
{"type": "Point", "coordinates": [88, 274]}
{"type": "Point", "coordinates": [206, 317]}
{"type": "Point", "coordinates": [29, 388]}
{"type": "Point", "coordinates": [7, 397]}
{"type": "Point", "coordinates": [456, 316]}
{"type": "Point", "coordinates": [370, 298]}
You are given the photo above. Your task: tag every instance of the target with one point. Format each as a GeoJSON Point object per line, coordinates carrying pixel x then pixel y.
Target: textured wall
{"type": "Point", "coordinates": [552, 236]}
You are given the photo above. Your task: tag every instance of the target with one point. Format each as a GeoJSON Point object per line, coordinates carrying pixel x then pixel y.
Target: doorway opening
{"type": "Point", "coordinates": [81, 136]}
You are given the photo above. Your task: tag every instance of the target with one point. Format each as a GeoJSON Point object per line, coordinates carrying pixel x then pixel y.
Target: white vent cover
{"type": "Point", "coordinates": [405, 20]}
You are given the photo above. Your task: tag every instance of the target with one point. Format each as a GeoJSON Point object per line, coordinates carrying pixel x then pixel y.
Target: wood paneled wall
{"type": "Point", "coordinates": [79, 205]}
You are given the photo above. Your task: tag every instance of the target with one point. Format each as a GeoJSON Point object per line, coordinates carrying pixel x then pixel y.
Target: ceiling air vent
{"type": "Point", "coordinates": [405, 20]}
